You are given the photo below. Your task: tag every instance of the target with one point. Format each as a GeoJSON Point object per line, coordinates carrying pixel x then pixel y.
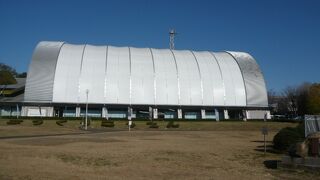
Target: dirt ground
{"type": "Point", "coordinates": [224, 150]}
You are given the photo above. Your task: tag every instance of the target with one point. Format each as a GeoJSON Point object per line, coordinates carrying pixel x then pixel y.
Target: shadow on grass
{"type": "Point", "coordinates": [269, 147]}
{"type": "Point", "coordinates": [270, 150]}
{"type": "Point", "coordinates": [39, 135]}
{"type": "Point", "coordinates": [262, 141]}
{"type": "Point", "coordinates": [271, 164]}
{"type": "Point", "coordinates": [89, 131]}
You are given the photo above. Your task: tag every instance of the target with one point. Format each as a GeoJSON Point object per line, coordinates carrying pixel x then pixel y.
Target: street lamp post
{"type": "Point", "coordinates": [86, 121]}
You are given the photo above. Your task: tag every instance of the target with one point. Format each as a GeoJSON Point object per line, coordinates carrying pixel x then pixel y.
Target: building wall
{"type": "Point", "coordinates": [258, 114]}
{"type": "Point", "coordinates": [253, 79]}
{"type": "Point", "coordinates": [40, 77]}
{"type": "Point", "coordinates": [35, 111]}
{"type": "Point", "coordinates": [62, 73]}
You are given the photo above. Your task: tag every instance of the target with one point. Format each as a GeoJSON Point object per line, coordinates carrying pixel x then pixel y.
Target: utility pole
{"type": "Point", "coordinates": [129, 118]}
{"type": "Point", "coordinates": [172, 34]}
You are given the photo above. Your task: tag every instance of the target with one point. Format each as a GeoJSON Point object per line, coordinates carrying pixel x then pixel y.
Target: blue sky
{"type": "Point", "coordinates": [283, 35]}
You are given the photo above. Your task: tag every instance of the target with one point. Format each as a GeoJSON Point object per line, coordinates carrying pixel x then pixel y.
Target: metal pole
{"type": "Point", "coordinates": [265, 133]}
{"type": "Point", "coordinates": [265, 146]}
{"type": "Point", "coordinates": [17, 111]}
{"type": "Point", "coordinates": [172, 34]}
{"type": "Point", "coordinates": [129, 123]}
{"type": "Point", "coordinates": [129, 118]}
{"type": "Point", "coordinates": [86, 121]}
{"type": "Point", "coordinates": [40, 112]}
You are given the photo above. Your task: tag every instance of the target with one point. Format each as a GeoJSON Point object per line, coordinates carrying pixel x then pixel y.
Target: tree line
{"type": "Point", "coordinates": [8, 74]}
{"type": "Point", "coordinates": [296, 100]}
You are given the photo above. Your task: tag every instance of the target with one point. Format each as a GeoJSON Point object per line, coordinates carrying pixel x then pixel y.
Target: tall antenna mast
{"type": "Point", "coordinates": [172, 34]}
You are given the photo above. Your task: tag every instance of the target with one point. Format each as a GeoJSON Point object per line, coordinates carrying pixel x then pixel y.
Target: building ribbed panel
{"type": "Point", "coordinates": [253, 79]}
{"type": "Point", "coordinates": [61, 73]}
{"type": "Point", "coordinates": [39, 84]}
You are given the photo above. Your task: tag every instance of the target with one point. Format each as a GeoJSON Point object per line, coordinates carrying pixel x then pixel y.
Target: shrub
{"type": "Point", "coordinates": [105, 123]}
{"type": "Point", "coordinates": [14, 121]}
{"type": "Point", "coordinates": [172, 125]}
{"type": "Point", "coordinates": [61, 122]}
{"type": "Point", "coordinates": [153, 125]}
{"type": "Point", "coordinates": [175, 126]}
{"type": "Point", "coordinates": [132, 124]}
{"type": "Point", "coordinates": [83, 122]}
{"type": "Point", "coordinates": [37, 122]}
{"type": "Point", "coordinates": [149, 123]}
{"type": "Point", "coordinates": [288, 136]}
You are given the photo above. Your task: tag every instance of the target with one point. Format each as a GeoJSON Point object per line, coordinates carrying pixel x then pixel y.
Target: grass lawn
{"type": "Point", "coordinates": [196, 150]}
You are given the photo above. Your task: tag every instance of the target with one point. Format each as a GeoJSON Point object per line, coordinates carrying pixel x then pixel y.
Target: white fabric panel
{"type": "Point", "coordinates": [229, 95]}
{"type": "Point", "coordinates": [66, 81]}
{"type": "Point", "coordinates": [253, 78]}
{"type": "Point", "coordinates": [189, 78]}
{"type": "Point", "coordinates": [213, 90]}
{"type": "Point", "coordinates": [39, 84]}
{"type": "Point", "coordinates": [233, 81]}
{"type": "Point", "coordinates": [166, 77]}
{"type": "Point", "coordinates": [118, 76]}
{"type": "Point", "coordinates": [236, 73]}
{"type": "Point", "coordinates": [92, 75]}
{"type": "Point", "coordinates": [142, 81]}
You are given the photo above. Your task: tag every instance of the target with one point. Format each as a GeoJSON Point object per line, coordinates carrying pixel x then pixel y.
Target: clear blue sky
{"type": "Point", "coordinates": [283, 36]}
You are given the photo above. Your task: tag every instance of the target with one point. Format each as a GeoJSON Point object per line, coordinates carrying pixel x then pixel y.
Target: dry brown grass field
{"type": "Point", "coordinates": [197, 150]}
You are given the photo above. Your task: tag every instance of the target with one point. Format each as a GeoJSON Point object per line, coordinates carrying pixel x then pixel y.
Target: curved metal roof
{"type": "Point", "coordinates": [61, 73]}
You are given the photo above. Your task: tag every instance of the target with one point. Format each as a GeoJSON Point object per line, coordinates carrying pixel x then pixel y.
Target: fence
{"type": "Point", "coordinates": [311, 124]}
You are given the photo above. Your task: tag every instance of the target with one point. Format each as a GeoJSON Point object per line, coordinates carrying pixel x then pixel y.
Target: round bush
{"type": "Point", "coordinates": [61, 122]}
{"type": "Point", "coordinates": [288, 136]}
{"type": "Point", "coordinates": [106, 123]}
{"type": "Point", "coordinates": [172, 125]}
{"type": "Point", "coordinates": [37, 122]}
{"type": "Point", "coordinates": [14, 121]}
{"type": "Point", "coordinates": [154, 125]}
{"type": "Point", "coordinates": [132, 124]}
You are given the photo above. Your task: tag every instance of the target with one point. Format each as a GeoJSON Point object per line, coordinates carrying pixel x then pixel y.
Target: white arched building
{"type": "Point", "coordinates": [62, 77]}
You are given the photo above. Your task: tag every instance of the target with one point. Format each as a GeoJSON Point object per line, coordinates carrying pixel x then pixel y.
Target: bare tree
{"type": "Point", "coordinates": [291, 95]}
{"type": "Point", "coordinates": [272, 100]}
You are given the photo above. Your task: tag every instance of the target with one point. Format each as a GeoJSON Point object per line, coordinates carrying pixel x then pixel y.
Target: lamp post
{"type": "Point", "coordinates": [86, 121]}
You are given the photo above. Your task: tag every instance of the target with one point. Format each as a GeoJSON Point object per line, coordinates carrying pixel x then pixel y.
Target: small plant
{"type": "Point", "coordinates": [153, 125]}
{"type": "Point", "coordinates": [14, 121]}
{"type": "Point", "coordinates": [37, 122]}
{"type": "Point", "coordinates": [149, 123]}
{"type": "Point", "coordinates": [106, 123]}
{"type": "Point", "coordinates": [83, 122]}
{"type": "Point", "coordinates": [61, 122]}
{"type": "Point", "coordinates": [132, 124]}
{"type": "Point", "coordinates": [172, 125]}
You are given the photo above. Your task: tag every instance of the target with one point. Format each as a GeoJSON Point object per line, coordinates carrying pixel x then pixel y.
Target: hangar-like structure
{"type": "Point", "coordinates": [118, 82]}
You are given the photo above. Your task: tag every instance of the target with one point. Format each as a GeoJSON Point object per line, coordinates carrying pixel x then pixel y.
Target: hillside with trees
{"type": "Point", "coordinates": [8, 75]}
